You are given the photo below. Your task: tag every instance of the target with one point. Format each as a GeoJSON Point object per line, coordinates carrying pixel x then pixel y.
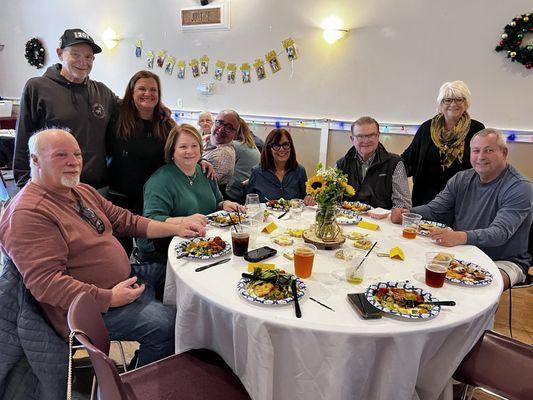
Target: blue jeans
{"type": "Point", "coordinates": [146, 320]}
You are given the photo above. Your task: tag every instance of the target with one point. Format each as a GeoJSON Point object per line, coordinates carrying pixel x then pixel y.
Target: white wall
{"type": "Point", "coordinates": [391, 64]}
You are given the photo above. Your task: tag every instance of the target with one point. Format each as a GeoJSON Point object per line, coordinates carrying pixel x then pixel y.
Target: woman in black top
{"type": "Point", "coordinates": [137, 145]}
{"type": "Point", "coordinates": [441, 146]}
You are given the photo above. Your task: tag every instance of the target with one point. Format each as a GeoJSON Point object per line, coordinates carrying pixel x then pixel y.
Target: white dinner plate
{"type": "Point", "coordinates": [347, 217]}
{"type": "Point", "coordinates": [223, 218]}
{"type": "Point", "coordinates": [401, 285]}
{"type": "Point", "coordinates": [242, 288]}
{"type": "Point", "coordinates": [182, 246]}
{"type": "Point", "coordinates": [425, 232]}
{"type": "Point", "coordinates": [483, 282]}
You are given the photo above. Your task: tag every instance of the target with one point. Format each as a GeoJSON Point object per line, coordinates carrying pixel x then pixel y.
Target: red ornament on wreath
{"type": "Point", "coordinates": [511, 40]}
{"type": "Point", "coordinates": [35, 53]}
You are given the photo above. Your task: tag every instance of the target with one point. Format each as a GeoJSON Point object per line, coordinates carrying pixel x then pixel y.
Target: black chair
{"type": "Point", "coordinates": [182, 376]}
{"type": "Point", "coordinates": [498, 365]}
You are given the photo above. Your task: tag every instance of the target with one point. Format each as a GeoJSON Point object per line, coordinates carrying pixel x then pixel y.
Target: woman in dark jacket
{"type": "Point", "coordinates": [441, 146]}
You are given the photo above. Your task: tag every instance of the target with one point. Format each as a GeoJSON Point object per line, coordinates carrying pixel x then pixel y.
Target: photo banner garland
{"type": "Point", "coordinates": [200, 66]}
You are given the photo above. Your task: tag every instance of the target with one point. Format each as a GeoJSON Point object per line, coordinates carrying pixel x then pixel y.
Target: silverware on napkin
{"type": "Point", "coordinates": [212, 264]}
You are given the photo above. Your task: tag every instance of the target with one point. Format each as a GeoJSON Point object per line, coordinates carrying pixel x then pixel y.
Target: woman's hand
{"type": "Point", "coordinates": [190, 229]}
{"type": "Point", "coordinates": [199, 219]}
{"type": "Point", "coordinates": [309, 201]}
{"type": "Point", "coordinates": [207, 169]}
{"type": "Point", "coordinates": [232, 206]}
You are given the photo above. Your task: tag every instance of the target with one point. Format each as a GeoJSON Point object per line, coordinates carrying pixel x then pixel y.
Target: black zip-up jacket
{"type": "Point", "coordinates": [376, 188]}
{"type": "Point", "coordinates": [85, 108]}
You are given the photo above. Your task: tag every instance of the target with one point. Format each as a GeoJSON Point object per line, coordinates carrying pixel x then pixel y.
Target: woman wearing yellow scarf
{"type": "Point", "coordinates": [441, 146]}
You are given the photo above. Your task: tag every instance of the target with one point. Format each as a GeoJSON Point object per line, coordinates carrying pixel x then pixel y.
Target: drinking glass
{"type": "Point", "coordinates": [296, 208]}
{"type": "Point", "coordinates": [253, 227]}
{"type": "Point", "coordinates": [410, 223]}
{"type": "Point", "coordinates": [240, 239]}
{"type": "Point", "coordinates": [435, 257]}
{"type": "Point", "coordinates": [435, 274]}
{"type": "Point", "coordinates": [252, 205]}
{"type": "Point", "coordinates": [354, 267]}
{"type": "Point", "coordinates": [304, 255]}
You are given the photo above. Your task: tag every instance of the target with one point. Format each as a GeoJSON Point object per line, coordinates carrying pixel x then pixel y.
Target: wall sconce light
{"type": "Point", "coordinates": [109, 37]}
{"type": "Point", "coordinates": [333, 29]}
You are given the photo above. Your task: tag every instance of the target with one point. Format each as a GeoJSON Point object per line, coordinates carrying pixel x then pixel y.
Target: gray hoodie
{"type": "Point", "coordinates": [85, 108]}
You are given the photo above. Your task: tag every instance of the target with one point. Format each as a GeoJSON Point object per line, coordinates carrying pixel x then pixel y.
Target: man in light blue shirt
{"type": "Point", "coordinates": [489, 206]}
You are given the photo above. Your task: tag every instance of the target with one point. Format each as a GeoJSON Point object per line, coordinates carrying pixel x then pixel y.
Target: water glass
{"type": "Point", "coordinates": [252, 205]}
{"type": "Point", "coordinates": [253, 227]}
{"type": "Point", "coordinates": [354, 267]}
{"type": "Point", "coordinates": [296, 208]}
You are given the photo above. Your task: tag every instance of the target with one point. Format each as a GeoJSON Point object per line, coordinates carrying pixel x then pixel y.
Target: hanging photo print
{"type": "Point", "coordinates": [219, 70]}
{"type": "Point", "coordinates": [290, 48]}
{"type": "Point", "coordinates": [150, 60]}
{"type": "Point", "coordinates": [195, 68]}
{"type": "Point", "coordinates": [138, 48]}
{"type": "Point", "coordinates": [204, 65]}
{"type": "Point", "coordinates": [232, 71]}
{"type": "Point", "coordinates": [259, 66]}
{"type": "Point", "coordinates": [169, 68]}
{"type": "Point", "coordinates": [245, 69]}
{"type": "Point", "coordinates": [161, 55]}
{"type": "Point", "coordinates": [272, 59]}
{"type": "Point", "coordinates": [181, 69]}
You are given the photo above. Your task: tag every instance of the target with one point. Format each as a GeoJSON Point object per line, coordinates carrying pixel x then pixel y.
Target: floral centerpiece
{"type": "Point", "coordinates": [328, 187]}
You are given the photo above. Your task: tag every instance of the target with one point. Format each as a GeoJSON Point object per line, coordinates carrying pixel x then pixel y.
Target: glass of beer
{"type": "Point", "coordinates": [240, 239]}
{"type": "Point", "coordinates": [435, 274]}
{"type": "Point", "coordinates": [410, 223]}
{"type": "Point", "coordinates": [304, 255]}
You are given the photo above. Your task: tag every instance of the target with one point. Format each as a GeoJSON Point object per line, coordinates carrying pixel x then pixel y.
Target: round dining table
{"type": "Point", "coordinates": [331, 354]}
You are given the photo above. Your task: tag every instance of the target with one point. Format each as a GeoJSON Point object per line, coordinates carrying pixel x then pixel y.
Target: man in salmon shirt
{"type": "Point", "coordinates": [59, 234]}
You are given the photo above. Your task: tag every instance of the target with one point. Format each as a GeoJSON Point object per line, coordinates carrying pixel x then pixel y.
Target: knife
{"type": "Point", "coordinates": [212, 264]}
{"type": "Point", "coordinates": [258, 278]}
{"type": "Point", "coordinates": [294, 290]}
{"type": "Point", "coordinates": [283, 214]}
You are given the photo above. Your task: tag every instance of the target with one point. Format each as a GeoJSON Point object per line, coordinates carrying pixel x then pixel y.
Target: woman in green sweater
{"type": "Point", "coordinates": [179, 191]}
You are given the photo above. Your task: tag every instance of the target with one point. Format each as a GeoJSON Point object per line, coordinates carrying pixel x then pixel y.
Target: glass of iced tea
{"type": "Point", "coordinates": [240, 239]}
{"type": "Point", "coordinates": [435, 274]}
{"type": "Point", "coordinates": [304, 255]}
{"type": "Point", "coordinates": [410, 223]}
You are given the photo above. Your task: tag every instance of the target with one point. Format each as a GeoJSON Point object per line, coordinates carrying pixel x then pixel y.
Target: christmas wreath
{"type": "Point", "coordinates": [35, 53]}
{"type": "Point", "coordinates": [512, 36]}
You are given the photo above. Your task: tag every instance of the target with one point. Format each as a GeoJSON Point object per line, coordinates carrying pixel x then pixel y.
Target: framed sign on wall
{"type": "Point", "coordinates": [212, 16]}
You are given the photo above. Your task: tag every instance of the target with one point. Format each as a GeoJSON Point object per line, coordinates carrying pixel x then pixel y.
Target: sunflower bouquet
{"type": "Point", "coordinates": [328, 186]}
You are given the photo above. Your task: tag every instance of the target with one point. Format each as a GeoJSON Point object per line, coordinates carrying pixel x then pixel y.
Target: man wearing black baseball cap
{"type": "Point", "coordinates": [66, 97]}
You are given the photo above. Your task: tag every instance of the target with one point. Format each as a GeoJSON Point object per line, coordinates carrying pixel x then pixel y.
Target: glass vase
{"type": "Point", "coordinates": [326, 227]}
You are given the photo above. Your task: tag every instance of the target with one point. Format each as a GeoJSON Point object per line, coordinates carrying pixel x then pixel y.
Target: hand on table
{"type": "Point", "coordinates": [232, 206]}
{"type": "Point", "coordinates": [190, 229]}
{"type": "Point", "coordinates": [447, 237]}
{"type": "Point", "coordinates": [309, 201]}
{"type": "Point", "coordinates": [126, 292]}
{"type": "Point", "coordinates": [396, 215]}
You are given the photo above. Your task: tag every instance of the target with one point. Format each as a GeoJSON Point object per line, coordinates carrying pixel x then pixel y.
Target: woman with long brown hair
{"type": "Point", "coordinates": [137, 144]}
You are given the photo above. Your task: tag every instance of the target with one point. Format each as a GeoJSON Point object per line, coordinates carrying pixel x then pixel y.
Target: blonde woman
{"type": "Point", "coordinates": [441, 146]}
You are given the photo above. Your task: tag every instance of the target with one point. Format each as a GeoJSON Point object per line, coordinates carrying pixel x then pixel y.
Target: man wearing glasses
{"type": "Point", "coordinates": [379, 177]}
{"type": "Point", "coordinates": [59, 234]}
{"type": "Point", "coordinates": [219, 151]}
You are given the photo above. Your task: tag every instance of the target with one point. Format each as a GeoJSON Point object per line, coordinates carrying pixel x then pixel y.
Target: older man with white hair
{"type": "Point", "coordinates": [489, 206]}
{"type": "Point", "coordinates": [59, 234]}
{"type": "Point", "coordinates": [66, 96]}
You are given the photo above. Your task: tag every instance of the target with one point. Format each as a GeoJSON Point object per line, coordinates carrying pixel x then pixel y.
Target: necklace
{"type": "Point", "coordinates": [191, 178]}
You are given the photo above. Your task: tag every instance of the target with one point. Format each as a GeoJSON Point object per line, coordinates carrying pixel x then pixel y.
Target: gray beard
{"type": "Point", "coordinates": [70, 182]}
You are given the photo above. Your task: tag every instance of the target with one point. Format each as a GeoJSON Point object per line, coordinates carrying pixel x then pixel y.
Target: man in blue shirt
{"type": "Point", "coordinates": [489, 206]}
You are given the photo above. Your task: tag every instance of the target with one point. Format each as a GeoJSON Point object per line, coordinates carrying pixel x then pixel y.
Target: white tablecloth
{"type": "Point", "coordinates": [331, 355]}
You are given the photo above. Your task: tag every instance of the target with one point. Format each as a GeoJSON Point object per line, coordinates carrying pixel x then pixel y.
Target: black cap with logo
{"type": "Point", "coordinates": [76, 36]}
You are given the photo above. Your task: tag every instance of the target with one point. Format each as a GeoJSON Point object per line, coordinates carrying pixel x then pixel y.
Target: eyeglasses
{"type": "Point", "coordinates": [278, 146]}
{"type": "Point", "coordinates": [90, 216]}
{"type": "Point", "coordinates": [360, 138]}
{"type": "Point", "coordinates": [226, 126]}
{"type": "Point", "coordinates": [450, 100]}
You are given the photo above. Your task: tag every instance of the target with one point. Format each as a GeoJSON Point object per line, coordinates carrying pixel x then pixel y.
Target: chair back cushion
{"type": "Point", "coordinates": [500, 364]}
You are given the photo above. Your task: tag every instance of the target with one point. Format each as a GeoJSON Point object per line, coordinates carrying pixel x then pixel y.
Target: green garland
{"type": "Point", "coordinates": [512, 37]}
{"type": "Point", "coordinates": [35, 53]}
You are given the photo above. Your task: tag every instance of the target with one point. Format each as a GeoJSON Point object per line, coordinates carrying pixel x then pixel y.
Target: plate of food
{"type": "Point", "coordinates": [278, 205]}
{"type": "Point", "coordinates": [356, 207]}
{"type": "Point", "coordinates": [203, 248]}
{"type": "Point", "coordinates": [224, 218]}
{"type": "Point", "coordinates": [347, 217]}
{"type": "Point", "coordinates": [425, 226]}
{"type": "Point", "coordinates": [468, 274]}
{"type": "Point", "coordinates": [397, 298]}
{"type": "Point", "coordinates": [277, 291]}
